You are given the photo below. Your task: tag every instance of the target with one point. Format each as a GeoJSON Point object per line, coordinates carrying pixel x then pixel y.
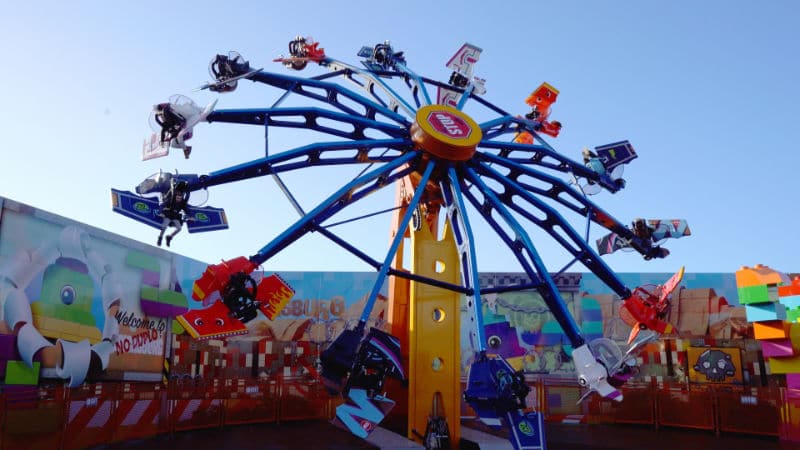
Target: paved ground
{"type": "Point", "coordinates": [624, 437]}
{"type": "Point", "coordinates": [322, 435]}
{"type": "Point", "coordinates": [289, 435]}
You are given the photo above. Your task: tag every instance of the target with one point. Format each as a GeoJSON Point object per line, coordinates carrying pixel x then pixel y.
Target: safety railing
{"type": "Point", "coordinates": [638, 407]}
{"type": "Point", "coordinates": [559, 401]}
{"type": "Point", "coordinates": [717, 408]}
{"type": "Point", "coordinates": [142, 410]}
{"type": "Point", "coordinates": [303, 398]}
{"type": "Point", "coordinates": [790, 415]}
{"type": "Point", "coordinates": [93, 414]}
{"type": "Point", "coordinates": [251, 401]}
{"type": "Point", "coordinates": [194, 406]}
{"type": "Point", "coordinates": [752, 411]}
{"type": "Point", "coordinates": [33, 417]}
{"type": "Point", "coordinates": [90, 416]}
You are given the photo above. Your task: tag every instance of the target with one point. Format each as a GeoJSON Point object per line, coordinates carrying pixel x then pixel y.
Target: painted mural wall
{"type": "Point", "coordinates": [81, 304]}
{"type": "Point", "coordinates": [77, 302]}
{"type": "Point", "coordinates": [520, 327]}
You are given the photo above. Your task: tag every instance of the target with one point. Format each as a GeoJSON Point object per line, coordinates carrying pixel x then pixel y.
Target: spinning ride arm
{"type": "Point", "coordinates": [509, 395]}
{"type": "Point", "coordinates": [369, 81]}
{"type": "Point", "coordinates": [350, 193]}
{"type": "Point", "coordinates": [557, 190]}
{"type": "Point", "coordinates": [326, 154]}
{"type": "Point", "coordinates": [353, 361]}
{"type": "Point", "coordinates": [339, 360]}
{"type": "Point", "coordinates": [538, 154]}
{"type": "Point", "coordinates": [383, 58]}
{"type": "Point", "coordinates": [319, 154]}
{"type": "Point", "coordinates": [526, 254]}
{"type": "Point", "coordinates": [465, 243]}
{"type": "Point", "coordinates": [309, 87]}
{"type": "Point", "coordinates": [307, 118]}
{"type": "Point", "coordinates": [552, 222]}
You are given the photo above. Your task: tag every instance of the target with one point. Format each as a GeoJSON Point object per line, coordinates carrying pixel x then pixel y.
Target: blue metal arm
{"type": "Point", "coordinates": [417, 81]}
{"type": "Point", "coordinates": [308, 118]}
{"type": "Point", "coordinates": [559, 191]}
{"type": "Point", "coordinates": [415, 90]}
{"type": "Point", "coordinates": [476, 98]}
{"type": "Point", "coordinates": [508, 124]}
{"type": "Point", "coordinates": [526, 254]}
{"type": "Point", "coordinates": [465, 242]}
{"type": "Point", "coordinates": [539, 155]}
{"type": "Point", "coordinates": [319, 154]}
{"type": "Point", "coordinates": [377, 265]}
{"type": "Point", "coordinates": [396, 242]}
{"type": "Point", "coordinates": [310, 87]}
{"type": "Point", "coordinates": [348, 194]}
{"type": "Point", "coordinates": [371, 81]}
{"type": "Point", "coordinates": [501, 126]}
{"type": "Point", "coordinates": [545, 157]}
{"type": "Point", "coordinates": [550, 223]}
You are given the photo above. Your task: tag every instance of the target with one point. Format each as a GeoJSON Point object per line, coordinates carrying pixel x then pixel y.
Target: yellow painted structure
{"type": "Point", "coordinates": [434, 337]}
{"type": "Point", "coordinates": [445, 132]}
{"type": "Point", "coordinates": [426, 318]}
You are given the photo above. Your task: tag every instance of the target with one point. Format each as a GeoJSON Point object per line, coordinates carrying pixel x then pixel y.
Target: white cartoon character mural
{"type": "Point", "coordinates": [60, 321]}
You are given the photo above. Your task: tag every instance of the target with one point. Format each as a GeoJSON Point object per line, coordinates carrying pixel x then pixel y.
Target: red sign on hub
{"type": "Point", "coordinates": [449, 124]}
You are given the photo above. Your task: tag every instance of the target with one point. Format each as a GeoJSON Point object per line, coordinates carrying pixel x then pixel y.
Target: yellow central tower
{"type": "Point", "coordinates": [425, 317]}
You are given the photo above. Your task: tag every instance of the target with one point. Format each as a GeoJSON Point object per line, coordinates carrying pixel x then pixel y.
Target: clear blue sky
{"type": "Point", "coordinates": [706, 91]}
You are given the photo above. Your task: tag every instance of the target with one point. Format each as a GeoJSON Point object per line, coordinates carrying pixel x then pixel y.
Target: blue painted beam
{"type": "Point", "coordinates": [570, 241]}
{"type": "Point", "coordinates": [348, 194]}
{"type": "Point", "coordinates": [526, 254]}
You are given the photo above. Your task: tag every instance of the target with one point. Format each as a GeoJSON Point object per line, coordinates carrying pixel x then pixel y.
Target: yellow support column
{"type": "Point", "coordinates": [434, 337]}
{"type": "Point", "coordinates": [446, 134]}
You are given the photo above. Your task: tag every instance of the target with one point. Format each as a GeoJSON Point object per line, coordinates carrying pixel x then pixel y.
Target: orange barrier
{"type": "Point", "coordinates": [142, 411]}
{"type": "Point", "coordinates": [718, 408]}
{"type": "Point", "coordinates": [637, 407]}
{"type": "Point", "coordinates": [560, 401]}
{"type": "Point", "coordinates": [194, 406]}
{"type": "Point", "coordinates": [752, 411]}
{"type": "Point", "coordinates": [677, 407]}
{"type": "Point", "coordinates": [89, 412]}
{"type": "Point", "coordinates": [33, 417]}
{"type": "Point", "coordinates": [303, 399]}
{"type": "Point", "coordinates": [251, 401]}
{"type": "Point", "coordinates": [790, 415]}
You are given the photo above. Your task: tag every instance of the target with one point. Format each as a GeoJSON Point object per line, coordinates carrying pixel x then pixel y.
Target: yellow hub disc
{"type": "Point", "coordinates": [445, 132]}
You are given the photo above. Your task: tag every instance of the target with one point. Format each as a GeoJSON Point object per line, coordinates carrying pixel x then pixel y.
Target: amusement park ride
{"type": "Point", "coordinates": [439, 159]}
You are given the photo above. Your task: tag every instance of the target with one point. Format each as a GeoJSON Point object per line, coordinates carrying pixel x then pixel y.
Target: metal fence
{"type": "Point", "coordinates": [93, 414]}
{"type": "Point", "coordinates": [716, 408]}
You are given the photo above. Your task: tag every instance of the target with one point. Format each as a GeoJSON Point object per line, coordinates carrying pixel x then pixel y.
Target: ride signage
{"type": "Point", "coordinates": [449, 124]}
{"type": "Point", "coordinates": [446, 132]}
